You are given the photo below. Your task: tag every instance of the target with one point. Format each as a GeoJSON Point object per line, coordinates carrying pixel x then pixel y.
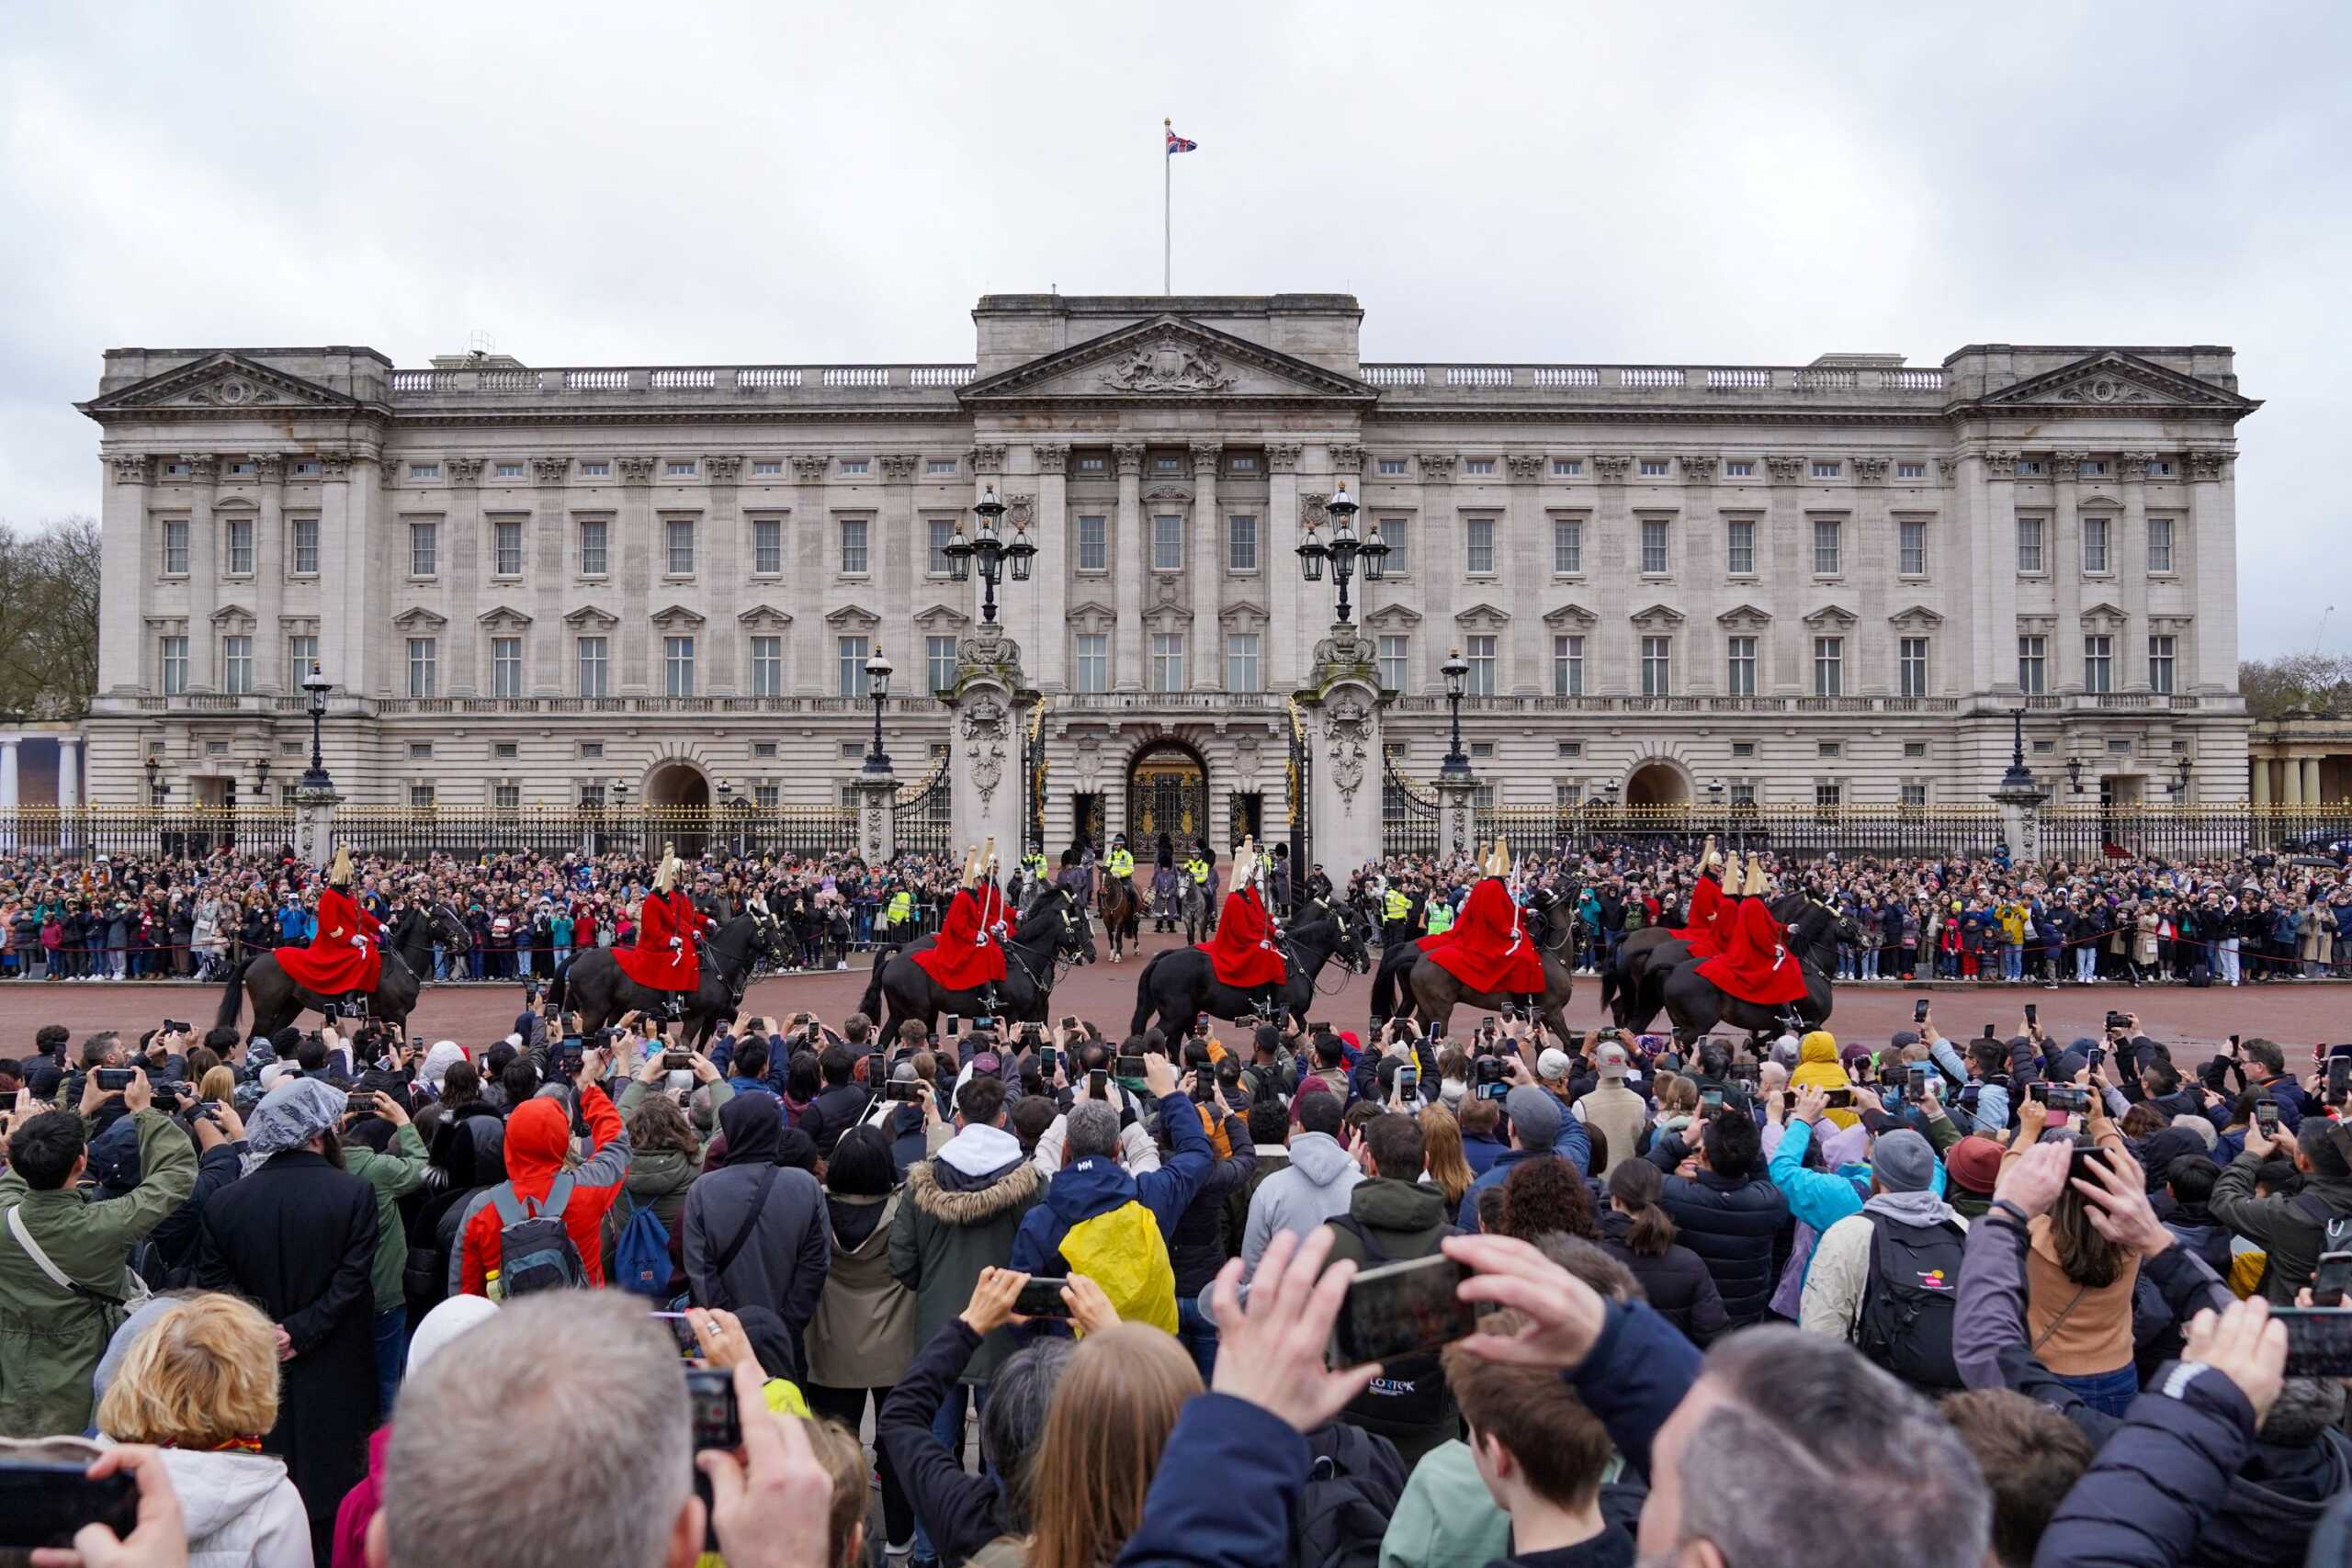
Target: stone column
{"type": "Point", "coordinates": [465, 564]}
{"type": "Point", "coordinates": [68, 772]}
{"type": "Point", "coordinates": [1286, 605]}
{"type": "Point", "coordinates": [722, 571]}
{"type": "Point", "coordinates": [1784, 560]}
{"type": "Point", "coordinates": [2066, 671]}
{"type": "Point", "coordinates": [2311, 779]}
{"type": "Point", "coordinates": [204, 547]}
{"type": "Point", "coordinates": [273, 555]}
{"type": "Point", "coordinates": [126, 567]}
{"type": "Point", "coordinates": [1130, 564]}
{"type": "Point", "coordinates": [984, 744]}
{"type": "Point", "coordinates": [2212, 539]}
{"type": "Point", "coordinates": [1056, 559]}
{"type": "Point", "coordinates": [1876, 573]}
{"type": "Point", "coordinates": [1457, 813]}
{"type": "Point", "coordinates": [550, 672]}
{"type": "Point", "coordinates": [314, 827]}
{"type": "Point", "coordinates": [1523, 552]}
{"type": "Point", "coordinates": [633, 571]}
{"type": "Point", "coordinates": [809, 541]}
{"type": "Point", "coordinates": [1700, 573]}
{"type": "Point", "coordinates": [2259, 781]}
{"type": "Point", "coordinates": [900, 559]}
{"type": "Point", "coordinates": [878, 796]}
{"type": "Point", "coordinates": [1343, 710]}
{"type": "Point", "coordinates": [8, 801]}
{"type": "Point", "coordinates": [2292, 777]}
{"type": "Point", "coordinates": [2131, 554]}
{"type": "Point", "coordinates": [1208, 570]}
{"type": "Point", "coordinates": [341, 547]}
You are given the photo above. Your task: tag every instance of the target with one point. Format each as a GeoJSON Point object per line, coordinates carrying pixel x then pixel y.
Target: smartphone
{"type": "Point", "coordinates": [710, 1397]}
{"type": "Point", "coordinates": [114, 1078]}
{"type": "Point", "coordinates": [1711, 1101]}
{"type": "Point", "coordinates": [2332, 1279]}
{"type": "Point", "coordinates": [2116, 1020]}
{"type": "Point", "coordinates": [173, 1026]}
{"type": "Point", "coordinates": [1838, 1098]}
{"type": "Point", "coordinates": [1098, 1080]}
{"type": "Point", "coordinates": [1919, 1010]}
{"type": "Point", "coordinates": [681, 1332]}
{"type": "Point", "coordinates": [359, 1103]}
{"type": "Point", "coordinates": [951, 1026]}
{"type": "Point", "coordinates": [1031, 1034]}
{"type": "Point", "coordinates": [1408, 1083]}
{"type": "Point", "coordinates": [1429, 1029]}
{"type": "Point", "coordinates": [2319, 1341]}
{"type": "Point", "coordinates": [2339, 1077]}
{"type": "Point", "coordinates": [2060, 1096]}
{"type": "Point", "coordinates": [1049, 1059]}
{"type": "Point", "coordinates": [677, 1061]}
{"type": "Point", "coordinates": [2033, 1015]}
{"type": "Point", "coordinates": [1914, 1088]}
{"type": "Point", "coordinates": [1200, 1026]}
{"type": "Point", "coordinates": [907, 1093]}
{"type": "Point", "coordinates": [1398, 1309]}
{"type": "Point", "coordinates": [1040, 1296]}
{"type": "Point", "coordinates": [1128, 1065]}
{"type": "Point", "coordinates": [1988, 1032]}
{"type": "Point", "coordinates": [568, 1051]}
{"type": "Point", "coordinates": [2265, 1116]}
{"type": "Point", "coordinates": [2097, 1057]}
{"type": "Point", "coordinates": [206, 1110]}
{"type": "Point", "coordinates": [1069, 1021]}
{"type": "Point", "coordinates": [44, 1501]}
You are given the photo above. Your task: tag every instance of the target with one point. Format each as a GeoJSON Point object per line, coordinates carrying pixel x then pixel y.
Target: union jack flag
{"type": "Point", "coordinates": [1178, 144]}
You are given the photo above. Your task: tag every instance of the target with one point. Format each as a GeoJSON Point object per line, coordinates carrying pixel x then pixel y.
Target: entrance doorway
{"type": "Point", "coordinates": [1168, 792]}
{"type": "Point", "coordinates": [677, 803]}
{"type": "Point", "coordinates": [1245, 811]}
{"type": "Point", "coordinates": [1655, 786]}
{"type": "Point", "coordinates": [1086, 822]}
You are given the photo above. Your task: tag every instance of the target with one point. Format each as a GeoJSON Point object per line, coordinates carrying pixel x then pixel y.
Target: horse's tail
{"type": "Point", "coordinates": [1145, 1005]}
{"type": "Point", "coordinates": [1608, 986]}
{"type": "Point", "coordinates": [232, 995]}
{"type": "Point", "coordinates": [870, 1004]}
{"type": "Point", "coordinates": [562, 983]}
{"type": "Point", "coordinates": [1383, 990]}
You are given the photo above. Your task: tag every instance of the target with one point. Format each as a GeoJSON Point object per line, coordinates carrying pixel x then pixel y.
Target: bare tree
{"type": "Point", "coordinates": [49, 628]}
{"type": "Point", "coordinates": [2305, 682]}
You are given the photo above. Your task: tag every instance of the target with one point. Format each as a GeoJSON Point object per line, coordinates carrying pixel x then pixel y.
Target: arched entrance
{"type": "Point", "coordinates": [1168, 792]}
{"type": "Point", "coordinates": [1657, 785]}
{"type": "Point", "coordinates": [677, 803]}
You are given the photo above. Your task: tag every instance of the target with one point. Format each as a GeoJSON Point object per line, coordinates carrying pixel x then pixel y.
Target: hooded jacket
{"type": "Point", "coordinates": [538, 1134]}
{"type": "Point", "coordinates": [2281, 1224]}
{"type": "Point", "coordinates": [1818, 1067]}
{"type": "Point", "coordinates": [1310, 1189]}
{"type": "Point", "coordinates": [962, 1208]}
{"type": "Point", "coordinates": [787, 1252]}
{"type": "Point", "coordinates": [241, 1510]}
{"type": "Point", "coordinates": [1099, 1221]}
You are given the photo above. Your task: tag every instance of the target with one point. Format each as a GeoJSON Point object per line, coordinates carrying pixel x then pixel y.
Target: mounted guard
{"type": "Point", "coordinates": [1243, 951]}
{"type": "Point", "coordinates": [1755, 965]}
{"type": "Point", "coordinates": [667, 957]}
{"type": "Point", "coordinates": [1713, 911]}
{"type": "Point", "coordinates": [343, 959]}
{"type": "Point", "coordinates": [968, 957]}
{"type": "Point", "coordinates": [1488, 948]}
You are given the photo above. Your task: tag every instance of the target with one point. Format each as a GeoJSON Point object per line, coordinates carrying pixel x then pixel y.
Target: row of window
{"type": "Point", "coordinates": [2099, 536]}
{"type": "Point", "coordinates": [2099, 662]}
{"type": "Point", "coordinates": [1647, 468]}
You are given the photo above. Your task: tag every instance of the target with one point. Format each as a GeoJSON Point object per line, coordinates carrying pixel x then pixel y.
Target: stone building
{"type": "Point", "coordinates": [1826, 583]}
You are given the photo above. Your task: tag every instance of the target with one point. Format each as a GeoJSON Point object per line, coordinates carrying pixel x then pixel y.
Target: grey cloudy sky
{"type": "Point", "coordinates": [691, 183]}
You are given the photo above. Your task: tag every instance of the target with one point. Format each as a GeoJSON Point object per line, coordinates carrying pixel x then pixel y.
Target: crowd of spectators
{"type": "Point", "coordinates": [345, 1300]}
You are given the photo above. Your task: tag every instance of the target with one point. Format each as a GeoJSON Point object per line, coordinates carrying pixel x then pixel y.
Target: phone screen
{"type": "Point", "coordinates": [1919, 1010]}
{"type": "Point", "coordinates": [44, 1502]}
{"type": "Point", "coordinates": [2032, 1014]}
{"type": "Point", "coordinates": [1839, 1099]}
{"type": "Point", "coordinates": [1398, 1309]}
{"type": "Point", "coordinates": [2265, 1116]}
{"type": "Point", "coordinates": [1408, 1082]}
{"type": "Point", "coordinates": [711, 1400]}
{"type": "Point", "coordinates": [1130, 1067]}
{"type": "Point", "coordinates": [2332, 1280]}
{"type": "Point", "coordinates": [1042, 1297]}
{"type": "Point", "coordinates": [2319, 1341]}
{"type": "Point", "coordinates": [681, 1333]}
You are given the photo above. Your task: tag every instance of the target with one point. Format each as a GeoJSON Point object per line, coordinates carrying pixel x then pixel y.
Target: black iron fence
{"type": "Point", "coordinates": [1408, 815]}
{"type": "Point", "coordinates": [923, 815]}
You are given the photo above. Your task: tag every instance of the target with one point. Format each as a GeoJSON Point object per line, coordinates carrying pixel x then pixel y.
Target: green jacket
{"type": "Point", "coordinates": [51, 1339]}
{"type": "Point", "coordinates": [394, 1173]}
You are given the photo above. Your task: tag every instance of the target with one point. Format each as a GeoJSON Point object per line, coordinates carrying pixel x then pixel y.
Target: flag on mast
{"type": "Point", "coordinates": [1166, 245]}
{"type": "Point", "coordinates": [1178, 144]}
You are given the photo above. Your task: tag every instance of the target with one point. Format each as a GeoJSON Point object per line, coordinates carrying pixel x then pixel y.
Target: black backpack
{"type": "Point", "coordinates": [1909, 1299]}
{"type": "Point", "coordinates": [1410, 1391]}
{"type": "Point", "coordinates": [1354, 1481]}
{"type": "Point", "coordinates": [535, 1251]}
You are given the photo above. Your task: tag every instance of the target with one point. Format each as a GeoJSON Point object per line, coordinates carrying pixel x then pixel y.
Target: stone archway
{"type": "Point", "coordinates": [677, 803]}
{"type": "Point", "coordinates": [1657, 785]}
{"type": "Point", "coordinates": [1168, 792]}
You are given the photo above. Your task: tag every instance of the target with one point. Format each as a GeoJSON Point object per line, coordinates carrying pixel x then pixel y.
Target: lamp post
{"type": "Point", "coordinates": [1455, 670]}
{"type": "Point", "coordinates": [156, 788]}
{"type": "Point", "coordinates": [1343, 550]}
{"type": "Point", "coordinates": [878, 686]}
{"type": "Point", "coordinates": [2074, 771]}
{"type": "Point", "coordinates": [315, 687]}
{"type": "Point", "coordinates": [988, 546]}
{"type": "Point", "coordinates": [2180, 781]}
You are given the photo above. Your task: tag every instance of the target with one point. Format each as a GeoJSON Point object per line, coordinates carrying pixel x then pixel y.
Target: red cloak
{"type": "Point", "coordinates": [1242, 952]}
{"type": "Point", "coordinates": [1753, 965]}
{"type": "Point", "coordinates": [1488, 949]}
{"type": "Point", "coordinates": [965, 956]}
{"type": "Point", "coordinates": [1711, 916]}
{"type": "Point", "coordinates": [664, 958]}
{"type": "Point", "coordinates": [343, 956]}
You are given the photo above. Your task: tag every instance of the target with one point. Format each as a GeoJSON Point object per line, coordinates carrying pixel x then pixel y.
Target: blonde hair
{"type": "Point", "coordinates": [844, 1462]}
{"type": "Point", "coordinates": [218, 1083]}
{"type": "Point", "coordinates": [204, 1371]}
{"type": "Point", "coordinates": [1442, 1152]}
{"type": "Point", "coordinates": [1110, 1416]}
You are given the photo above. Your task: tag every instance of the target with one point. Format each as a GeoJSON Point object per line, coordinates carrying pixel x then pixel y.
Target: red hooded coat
{"type": "Point", "coordinates": [1488, 948]}
{"type": "Point", "coordinates": [1755, 964]}
{"type": "Point", "coordinates": [334, 963]}
{"type": "Point", "coordinates": [1711, 915]}
{"type": "Point", "coordinates": [657, 962]}
{"type": "Point", "coordinates": [965, 956]}
{"type": "Point", "coordinates": [1242, 952]}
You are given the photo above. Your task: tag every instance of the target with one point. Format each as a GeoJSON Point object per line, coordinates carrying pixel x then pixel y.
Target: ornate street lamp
{"type": "Point", "coordinates": [157, 790]}
{"type": "Point", "coordinates": [2074, 771]}
{"type": "Point", "coordinates": [2180, 782]}
{"type": "Point", "coordinates": [315, 687]}
{"type": "Point", "coordinates": [878, 686]}
{"type": "Point", "coordinates": [994, 552]}
{"type": "Point", "coordinates": [1455, 670]}
{"type": "Point", "coordinates": [1342, 549]}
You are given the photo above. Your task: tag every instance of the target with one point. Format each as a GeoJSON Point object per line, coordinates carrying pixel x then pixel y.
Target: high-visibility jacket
{"type": "Point", "coordinates": [1121, 863]}
{"type": "Point", "coordinates": [1440, 916]}
{"type": "Point", "coordinates": [1034, 865]}
{"type": "Point", "coordinates": [901, 908]}
{"type": "Point", "coordinates": [1397, 906]}
{"type": "Point", "coordinates": [1198, 870]}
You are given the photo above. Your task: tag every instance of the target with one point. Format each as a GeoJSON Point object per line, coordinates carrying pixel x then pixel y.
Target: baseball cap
{"type": "Point", "coordinates": [1535, 1115]}
{"type": "Point", "coordinates": [1551, 1064]}
{"type": "Point", "coordinates": [1613, 1061]}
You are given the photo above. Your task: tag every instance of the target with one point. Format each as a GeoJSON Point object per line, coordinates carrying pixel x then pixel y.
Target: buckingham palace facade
{"type": "Point", "coordinates": [1825, 583]}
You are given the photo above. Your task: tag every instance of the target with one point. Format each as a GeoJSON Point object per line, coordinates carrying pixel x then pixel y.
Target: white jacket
{"type": "Point", "coordinates": [243, 1511]}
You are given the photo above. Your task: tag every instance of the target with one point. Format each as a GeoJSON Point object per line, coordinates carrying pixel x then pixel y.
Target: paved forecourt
{"type": "Point", "coordinates": [2291, 1012]}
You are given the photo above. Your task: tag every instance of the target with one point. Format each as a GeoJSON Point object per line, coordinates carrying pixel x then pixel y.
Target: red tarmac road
{"type": "Point", "coordinates": [2293, 1012]}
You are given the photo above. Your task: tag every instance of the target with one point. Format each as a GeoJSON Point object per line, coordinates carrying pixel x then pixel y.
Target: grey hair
{"type": "Point", "coordinates": [1015, 1419]}
{"type": "Point", "coordinates": [1093, 1131]}
{"type": "Point", "coordinates": [467, 1477]}
{"type": "Point", "coordinates": [1804, 1417]}
{"type": "Point", "coordinates": [2305, 1408]}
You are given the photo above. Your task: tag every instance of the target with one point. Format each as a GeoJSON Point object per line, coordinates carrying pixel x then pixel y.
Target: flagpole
{"type": "Point", "coordinates": [1166, 245]}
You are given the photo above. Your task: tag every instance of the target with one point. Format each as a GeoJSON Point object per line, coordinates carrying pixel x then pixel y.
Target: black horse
{"type": "Point", "coordinates": [593, 985]}
{"type": "Point", "coordinates": [1411, 985]}
{"type": "Point", "coordinates": [278, 1001]}
{"type": "Point", "coordinates": [1180, 983]}
{"type": "Point", "coordinates": [1053, 931]}
{"type": "Point", "coordinates": [1634, 989]}
{"type": "Point", "coordinates": [1697, 1004]}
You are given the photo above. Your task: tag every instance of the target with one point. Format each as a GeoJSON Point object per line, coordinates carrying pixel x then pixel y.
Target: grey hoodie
{"type": "Point", "coordinates": [1315, 1186]}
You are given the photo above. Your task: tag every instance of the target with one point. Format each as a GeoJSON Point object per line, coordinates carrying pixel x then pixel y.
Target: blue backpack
{"type": "Point", "coordinates": [642, 1255]}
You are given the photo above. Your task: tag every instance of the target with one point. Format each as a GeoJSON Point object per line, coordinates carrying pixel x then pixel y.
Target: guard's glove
{"type": "Point", "coordinates": [674, 941]}
{"type": "Point", "coordinates": [357, 940]}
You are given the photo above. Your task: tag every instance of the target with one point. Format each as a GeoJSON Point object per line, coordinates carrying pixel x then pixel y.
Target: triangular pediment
{"type": "Point", "coordinates": [2113, 378]}
{"type": "Point", "coordinates": [1169, 359]}
{"type": "Point", "coordinates": [765, 617]}
{"type": "Point", "coordinates": [1397, 615]}
{"type": "Point", "coordinates": [853, 615]}
{"type": "Point", "coordinates": [941, 616]}
{"type": "Point", "coordinates": [1746, 615]}
{"type": "Point", "coordinates": [677, 615]}
{"type": "Point", "coordinates": [1658, 615]}
{"type": "Point", "coordinates": [1481, 614]}
{"type": "Point", "coordinates": [1570, 614]}
{"type": "Point", "coordinates": [503, 617]}
{"type": "Point", "coordinates": [417, 618]}
{"type": "Point", "coordinates": [2102, 611]}
{"type": "Point", "coordinates": [228, 613]}
{"type": "Point", "coordinates": [1831, 616]}
{"type": "Point", "coordinates": [589, 615]}
{"type": "Point", "coordinates": [221, 383]}
{"type": "Point", "coordinates": [1917, 616]}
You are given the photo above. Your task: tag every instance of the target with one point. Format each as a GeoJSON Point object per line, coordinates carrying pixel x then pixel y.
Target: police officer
{"type": "Point", "coordinates": [1198, 870]}
{"type": "Point", "coordinates": [897, 915]}
{"type": "Point", "coordinates": [1120, 863]}
{"type": "Point", "coordinates": [1395, 916]}
{"type": "Point", "coordinates": [1438, 914]}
